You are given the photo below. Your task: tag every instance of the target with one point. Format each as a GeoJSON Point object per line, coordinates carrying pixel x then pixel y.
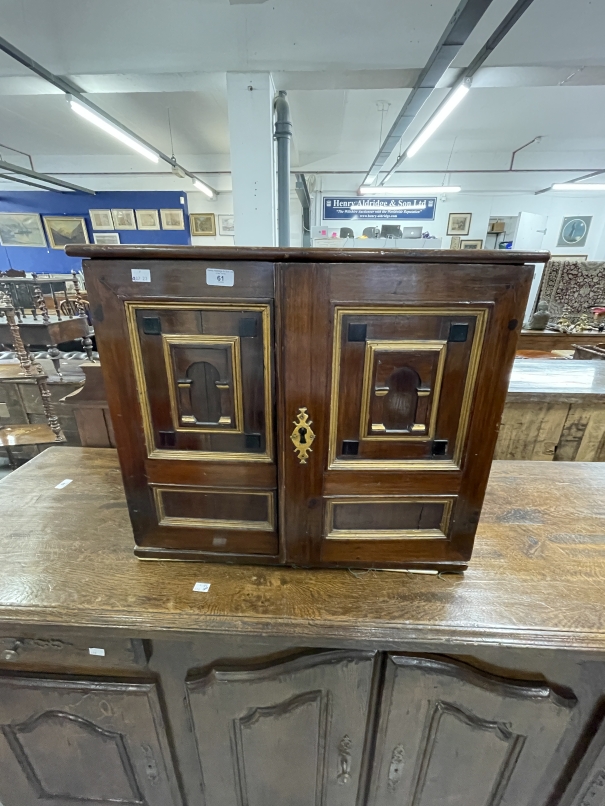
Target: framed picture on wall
{"type": "Point", "coordinates": [472, 244]}
{"type": "Point", "coordinates": [574, 231]}
{"type": "Point", "coordinates": [148, 219]}
{"type": "Point", "coordinates": [202, 224]}
{"type": "Point", "coordinates": [106, 238]}
{"type": "Point", "coordinates": [455, 242]}
{"type": "Point", "coordinates": [226, 225]}
{"type": "Point", "coordinates": [123, 219]}
{"type": "Point", "coordinates": [101, 219]}
{"type": "Point", "coordinates": [172, 219]}
{"type": "Point", "coordinates": [21, 229]}
{"type": "Point", "coordinates": [64, 230]}
{"type": "Point", "coordinates": [459, 223]}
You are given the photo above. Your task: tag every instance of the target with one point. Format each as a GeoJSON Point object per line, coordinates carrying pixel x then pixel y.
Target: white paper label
{"type": "Point", "coordinates": [95, 650]}
{"type": "Point", "coordinates": [141, 275]}
{"type": "Point", "coordinates": [201, 587]}
{"type": "Point", "coordinates": [182, 200]}
{"type": "Point", "coordinates": [64, 483]}
{"type": "Point", "coordinates": [220, 277]}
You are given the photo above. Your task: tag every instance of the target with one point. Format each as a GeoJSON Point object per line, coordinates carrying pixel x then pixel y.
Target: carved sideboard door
{"type": "Point", "coordinates": [451, 734]}
{"type": "Point", "coordinates": [189, 372]}
{"type": "Point", "coordinates": [289, 733]}
{"type": "Point", "coordinates": [64, 742]}
{"type": "Point", "coordinates": [393, 383]}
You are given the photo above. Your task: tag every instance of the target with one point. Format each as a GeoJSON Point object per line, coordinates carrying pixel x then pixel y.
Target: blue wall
{"type": "Point", "coordinates": [55, 261]}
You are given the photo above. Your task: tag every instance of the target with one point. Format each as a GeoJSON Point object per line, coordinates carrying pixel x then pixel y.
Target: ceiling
{"type": "Point", "coordinates": [341, 61]}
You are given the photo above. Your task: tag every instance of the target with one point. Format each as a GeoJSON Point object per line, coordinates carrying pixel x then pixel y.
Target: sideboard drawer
{"type": "Point", "coordinates": [63, 652]}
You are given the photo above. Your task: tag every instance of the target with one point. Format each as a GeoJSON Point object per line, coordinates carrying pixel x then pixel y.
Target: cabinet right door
{"type": "Point", "coordinates": [452, 735]}
{"type": "Point", "coordinates": [291, 733]}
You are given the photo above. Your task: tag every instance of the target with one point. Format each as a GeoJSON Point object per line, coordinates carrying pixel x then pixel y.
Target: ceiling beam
{"type": "Point", "coordinates": [52, 180]}
{"type": "Point", "coordinates": [69, 88]}
{"type": "Point", "coordinates": [459, 28]}
{"type": "Point", "coordinates": [12, 178]}
{"type": "Point", "coordinates": [494, 40]}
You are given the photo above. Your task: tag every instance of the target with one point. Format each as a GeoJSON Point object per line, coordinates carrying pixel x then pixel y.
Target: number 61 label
{"type": "Point", "coordinates": [220, 277]}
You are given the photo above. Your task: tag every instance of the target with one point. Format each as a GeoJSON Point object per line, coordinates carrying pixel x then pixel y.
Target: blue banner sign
{"type": "Point", "coordinates": [381, 209]}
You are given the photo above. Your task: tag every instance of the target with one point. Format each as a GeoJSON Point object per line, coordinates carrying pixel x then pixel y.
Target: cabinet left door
{"type": "Point", "coordinates": [67, 742]}
{"type": "Point", "coordinates": [188, 368]}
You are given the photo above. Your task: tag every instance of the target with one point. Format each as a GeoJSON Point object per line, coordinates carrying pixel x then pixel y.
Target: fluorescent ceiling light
{"type": "Point", "coordinates": [108, 127]}
{"type": "Point", "coordinates": [442, 113]}
{"type": "Point", "coordinates": [407, 191]}
{"type": "Point", "coordinates": [204, 188]}
{"type": "Point", "coordinates": [574, 186]}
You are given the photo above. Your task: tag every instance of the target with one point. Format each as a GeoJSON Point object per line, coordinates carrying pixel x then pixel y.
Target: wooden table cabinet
{"type": "Point", "coordinates": [120, 683]}
{"type": "Point", "coordinates": [308, 408]}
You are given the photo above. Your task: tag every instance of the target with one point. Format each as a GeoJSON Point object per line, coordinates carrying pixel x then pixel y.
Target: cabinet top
{"type": "Point", "coordinates": [535, 579]}
{"type": "Point", "coordinates": [294, 254]}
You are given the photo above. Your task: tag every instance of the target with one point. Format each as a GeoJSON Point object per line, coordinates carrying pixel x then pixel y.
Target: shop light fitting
{"type": "Point", "coordinates": [109, 128]}
{"type": "Point", "coordinates": [204, 188]}
{"type": "Point", "coordinates": [407, 191]}
{"type": "Point", "coordinates": [574, 186]}
{"type": "Point", "coordinates": [444, 111]}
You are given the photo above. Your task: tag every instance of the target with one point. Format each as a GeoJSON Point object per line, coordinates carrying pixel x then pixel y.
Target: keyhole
{"type": "Point", "coordinates": [301, 433]}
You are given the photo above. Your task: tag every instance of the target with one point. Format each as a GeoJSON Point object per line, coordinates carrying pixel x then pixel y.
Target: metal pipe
{"type": "Point", "coordinates": [18, 169]}
{"type": "Point", "coordinates": [283, 135]}
{"type": "Point", "coordinates": [526, 145]}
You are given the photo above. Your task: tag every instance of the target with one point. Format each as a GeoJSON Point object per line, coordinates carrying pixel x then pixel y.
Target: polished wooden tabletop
{"type": "Point", "coordinates": [537, 577]}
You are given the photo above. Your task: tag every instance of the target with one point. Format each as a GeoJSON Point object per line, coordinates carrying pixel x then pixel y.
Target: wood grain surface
{"type": "Point", "coordinates": [293, 254]}
{"type": "Point", "coordinates": [536, 578]}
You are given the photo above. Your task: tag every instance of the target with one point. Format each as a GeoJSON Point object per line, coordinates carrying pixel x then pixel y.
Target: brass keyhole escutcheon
{"type": "Point", "coordinates": [302, 437]}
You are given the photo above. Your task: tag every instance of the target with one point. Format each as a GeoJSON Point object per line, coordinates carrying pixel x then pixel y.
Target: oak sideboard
{"type": "Point", "coordinates": [180, 684]}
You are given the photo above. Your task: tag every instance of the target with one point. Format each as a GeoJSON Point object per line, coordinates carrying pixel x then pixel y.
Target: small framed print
{"type": "Point", "coordinates": [459, 223]}
{"type": "Point", "coordinates": [472, 244]}
{"type": "Point", "coordinates": [574, 231]}
{"type": "Point", "coordinates": [202, 224]}
{"type": "Point", "coordinates": [455, 242]}
{"type": "Point", "coordinates": [172, 219]}
{"type": "Point", "coordinates": [226, 225]}
{"type": "Point", "coordinates": [101, 219]}
{"type": "Point", "coordinates": [64, 230]}
{"type": "Point", "coordinates": [106, 238]}
{"type": "Point", "coordinates": [123, 219]}
{"type": "Point", "coordinates": [148, 219]}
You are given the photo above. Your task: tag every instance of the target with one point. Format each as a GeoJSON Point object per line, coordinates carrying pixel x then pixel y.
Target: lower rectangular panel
{"type": "Point", "coordinates": [388, 518]}
{"type": "Point", "coordinates": [204, 521]}
{"type": "Point", "coordinates": [215, 509]}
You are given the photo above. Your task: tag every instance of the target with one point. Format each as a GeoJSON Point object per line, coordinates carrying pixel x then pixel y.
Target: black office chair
{"type": "Point", "coordinates": [371, 232]}
{"type": "Point", "coordinates": [390, 231]}
{"type": "Point", "coordinates": [346, 232]}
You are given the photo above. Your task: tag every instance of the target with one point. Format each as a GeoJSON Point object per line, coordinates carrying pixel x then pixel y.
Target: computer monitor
{"type": "Point", "coordinates": [390, 231]}
{"type": "Point", "coordinates": [412, 232]}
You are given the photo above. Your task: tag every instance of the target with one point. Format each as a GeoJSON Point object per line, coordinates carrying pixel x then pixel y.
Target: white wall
{"type": "Point", "coordinates": [483, 206]}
